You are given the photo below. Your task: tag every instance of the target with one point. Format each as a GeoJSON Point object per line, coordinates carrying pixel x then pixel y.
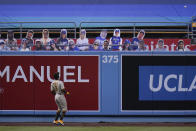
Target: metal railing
{"type": "Point", "coordinates": [193, 29]}
{"type": "Point", "coordinates": [36, 26]}
{"type": "Point", "coordinates": [135, 27]}
{"type": "Point", "coordinates": [129, 27]}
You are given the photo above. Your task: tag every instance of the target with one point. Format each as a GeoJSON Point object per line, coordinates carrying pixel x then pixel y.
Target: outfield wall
{"type": "Point", "coordinates": [100, 83]}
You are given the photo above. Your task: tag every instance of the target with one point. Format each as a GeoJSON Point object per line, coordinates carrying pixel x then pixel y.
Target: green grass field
{"type": "Point", "coordinates": [103, 128]}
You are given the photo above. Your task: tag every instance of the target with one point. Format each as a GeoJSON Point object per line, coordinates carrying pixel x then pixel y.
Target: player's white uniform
{"type": "Point", "coordinates": [60, 99]}
{"type": "Point", "coordinates": [82, 44]}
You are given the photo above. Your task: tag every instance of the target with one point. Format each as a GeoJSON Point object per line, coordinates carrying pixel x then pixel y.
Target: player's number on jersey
{"type": "Point", "coordinates": [110, 58]}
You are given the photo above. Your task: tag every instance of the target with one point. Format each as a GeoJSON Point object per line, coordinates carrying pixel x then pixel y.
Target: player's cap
{"type": "Point", "coordinates": [38, 40]}
{"type": "Point", "coordinates": [71, 42]}
{"type": "Point", "coordinates": [142, 31]}
{"type": "Point", "coordinates": [160, 41]}
{"type": "Point", "coordinates": [135, 39]}
{"type": "Point", "coordinates": [63, 31]}
{"type": "Point", "coordinates": [180, 41]}
{"type": "Point", "coordinates": [83, 32]}
{"type": "Point", "coordinates": [30, 31]}
{"type": "Point", "coordinates": [96, 42]}
{"type": "Point", "coordinates": [117, 30]}
{"type": "Point", "coordinates": [24, 40]}
{"type": "Point", "coordinates": [127, 41]}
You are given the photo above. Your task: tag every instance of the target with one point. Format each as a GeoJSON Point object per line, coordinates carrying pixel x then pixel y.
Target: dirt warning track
{"type": "Point", "coordinates": [97, 124]}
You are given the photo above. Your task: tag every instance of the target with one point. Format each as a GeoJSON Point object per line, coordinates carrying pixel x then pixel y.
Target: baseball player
{"type": "Point", "coordinates": [102, 38]}
{"type": "Point", "coordinates": [11, 42]}
{"type": "Point", "coordinates": [29, 39]}
{"type": "Point", "coordinates": [82, 42]}
{"type": "Point", "coordinates": [62, 42]}
{"type": "Point", "coordinates": [45, 37]}
{"type": "Point", "coordinates": [135, 41]}
{"type": "Point", "coordinates": [116, 40]}
{"type": "Point", "coordinates": [58, 89]}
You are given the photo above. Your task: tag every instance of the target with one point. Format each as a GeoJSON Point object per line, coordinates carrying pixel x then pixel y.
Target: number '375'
{"type": "Point", "coordinates": [110, 58]}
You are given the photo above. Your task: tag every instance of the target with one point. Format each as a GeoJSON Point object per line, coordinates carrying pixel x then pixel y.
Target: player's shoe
{"type": "Point", "coordinates": [55, 122]}
{"type": "Point", "coordinates": [61, 122]}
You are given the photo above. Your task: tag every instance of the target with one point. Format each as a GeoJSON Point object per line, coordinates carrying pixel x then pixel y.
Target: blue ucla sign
{"type": "Point", "coordinates": [159, 83]}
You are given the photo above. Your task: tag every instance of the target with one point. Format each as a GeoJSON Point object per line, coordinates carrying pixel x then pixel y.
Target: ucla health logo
{"type": "Point", "coordinates": [167, 83]}
{"type": "Point", "coordinates": [163, 83]}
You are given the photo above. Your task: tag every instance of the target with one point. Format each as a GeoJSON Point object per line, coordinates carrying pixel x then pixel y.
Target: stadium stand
{"type": "Point", "coordinates": [169, 20]}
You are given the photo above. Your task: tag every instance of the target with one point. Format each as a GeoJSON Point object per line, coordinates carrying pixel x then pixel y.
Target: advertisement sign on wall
{"type": "Point", "coordinates": [158, 82]}
{"type": "Point", "coordinates": [167, 83]}
{"type": "Point", "coordinates": [25, 81]}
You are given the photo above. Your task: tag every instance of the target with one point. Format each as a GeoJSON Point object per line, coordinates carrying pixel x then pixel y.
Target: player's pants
{"type": "Point", "coordinates": [61, 102]}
